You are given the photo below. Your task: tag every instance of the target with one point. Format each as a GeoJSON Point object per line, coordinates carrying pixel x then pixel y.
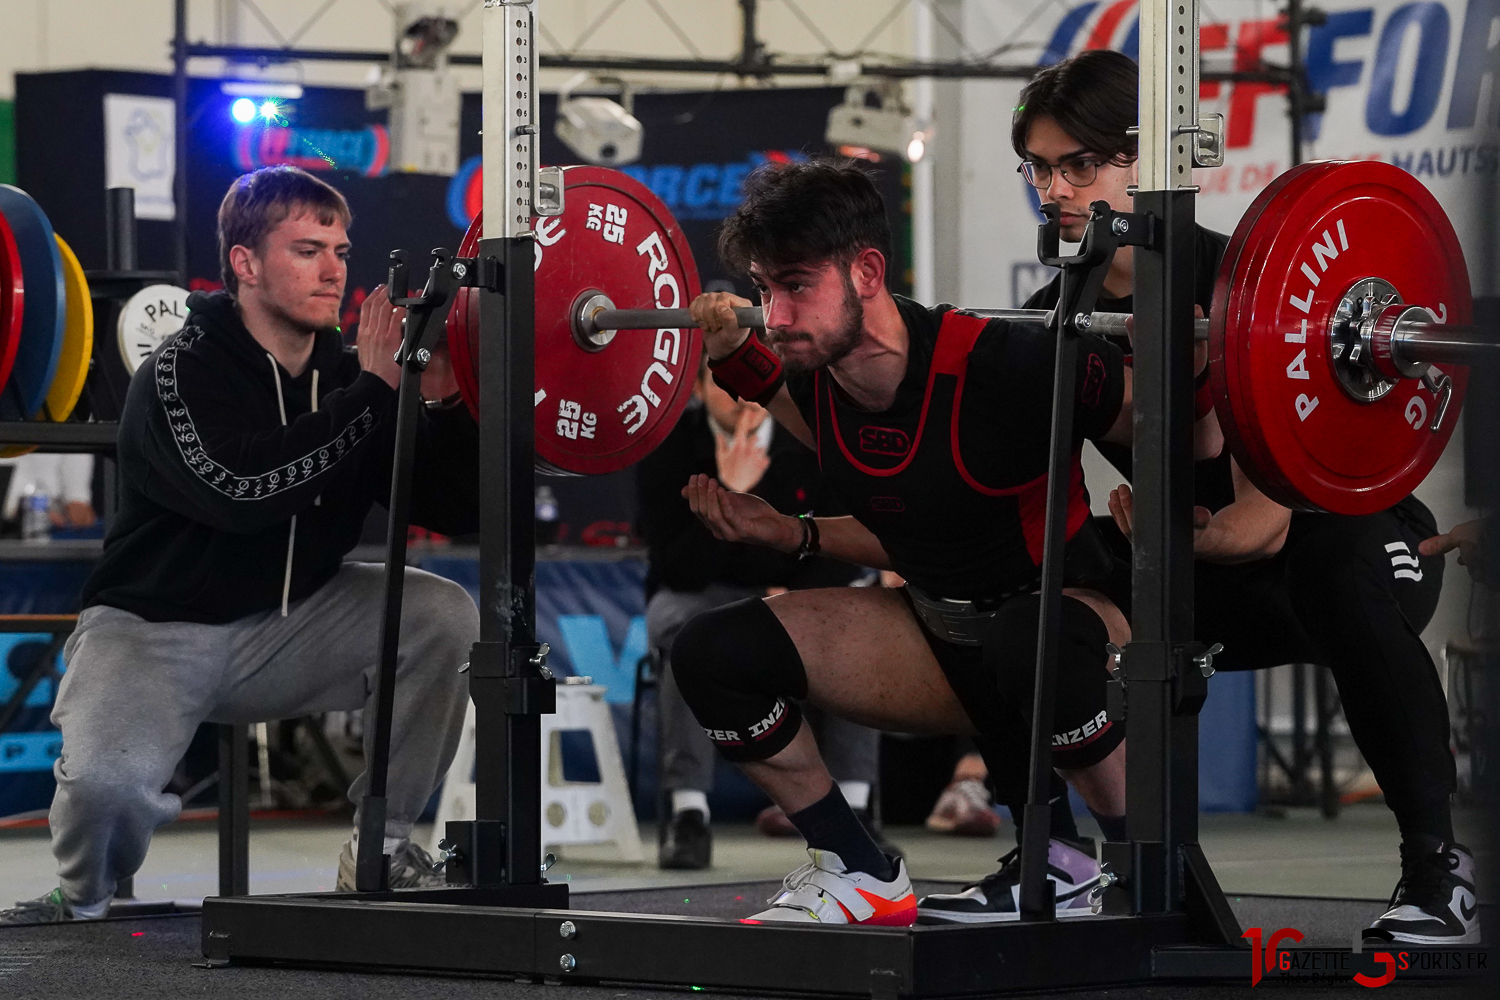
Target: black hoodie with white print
{"type": "Point", "coordinates": [242, 488]}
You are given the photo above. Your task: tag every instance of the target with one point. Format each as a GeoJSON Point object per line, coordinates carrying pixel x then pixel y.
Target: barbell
{"type": "Point", "coordinates": [1340, 292]}
{"type": "Point", "coordinates": [1414, 336]}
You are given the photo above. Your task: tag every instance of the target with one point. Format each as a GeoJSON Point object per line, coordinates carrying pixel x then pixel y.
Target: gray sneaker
{"type": "Point", "coordinates": [411, 868]}
{"type": "Point", "coordinates": [53, 908]}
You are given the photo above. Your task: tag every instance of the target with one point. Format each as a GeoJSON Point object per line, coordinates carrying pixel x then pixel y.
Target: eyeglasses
{"type": "Point", "coordinates": [1078, 171]}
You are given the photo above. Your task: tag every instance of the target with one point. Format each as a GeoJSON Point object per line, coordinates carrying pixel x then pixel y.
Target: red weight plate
{"type": "Point", "coordinates": [1297, 434]}
{"type": "Point", "coordinates": [600, 410]}
{"type": "Point", "coordinates": [1227, 400]}
{"type": "Point", "coordinates": [12, 300]}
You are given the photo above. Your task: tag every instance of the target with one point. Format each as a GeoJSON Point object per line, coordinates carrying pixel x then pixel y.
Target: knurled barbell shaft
{"type": "Point", "coordinates": [1435, 343]}
{"type": "Point", "coordinates": [751, 316]}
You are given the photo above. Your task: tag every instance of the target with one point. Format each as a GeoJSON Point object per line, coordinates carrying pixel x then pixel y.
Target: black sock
{"type": "Point", "coordinates": [830, 825]}
{"type": "Point", "coordinates": [1113, 827]}
{"type": "Point", "coordinates": [1422, 820]}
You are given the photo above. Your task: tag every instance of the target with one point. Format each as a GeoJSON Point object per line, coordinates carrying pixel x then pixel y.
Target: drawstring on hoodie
{"type": "Point", "coordinates": [291, 535]}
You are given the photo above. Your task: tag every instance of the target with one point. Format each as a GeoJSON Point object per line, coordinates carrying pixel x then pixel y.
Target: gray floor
{"type": "Point", "coordinates": [1353, 857]}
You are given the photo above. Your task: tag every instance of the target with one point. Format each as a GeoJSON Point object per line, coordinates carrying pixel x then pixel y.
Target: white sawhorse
{"type": "Point", "coordinates": [592, 820]}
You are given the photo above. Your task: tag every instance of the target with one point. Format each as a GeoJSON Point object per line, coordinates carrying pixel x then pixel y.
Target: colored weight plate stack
{"type": "Point", "coordinates": [46, 317]}
{"type": "Point", "coordinates": [44, 314]}
{"type": "Point", "coordinates": [12, 299]}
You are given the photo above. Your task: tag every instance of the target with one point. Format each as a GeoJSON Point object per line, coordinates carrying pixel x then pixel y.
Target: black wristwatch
{"type": "Point", "coordinates": [809, 546]}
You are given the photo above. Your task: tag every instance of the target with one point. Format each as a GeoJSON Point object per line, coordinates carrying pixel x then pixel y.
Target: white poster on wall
{"type": "Point", "coordinates": [140, 151]}
{"type": "Point", "coordinates": [1414, 84]}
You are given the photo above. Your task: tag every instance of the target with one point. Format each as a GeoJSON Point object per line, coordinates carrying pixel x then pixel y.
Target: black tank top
{"type": "Point", "coordinates": [962, 515]}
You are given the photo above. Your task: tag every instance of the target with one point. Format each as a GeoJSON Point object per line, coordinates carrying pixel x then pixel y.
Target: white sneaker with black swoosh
{"type": "Point", "coordinates": [1434, 903]}
{"type": "Point", "coordinates": [998, 897]}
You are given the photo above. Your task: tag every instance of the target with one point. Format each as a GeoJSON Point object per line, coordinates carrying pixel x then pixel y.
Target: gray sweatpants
{"type": "Point", "coordinates": [851, 751]}
{"type": "Point", "coordinates": [135, 692]}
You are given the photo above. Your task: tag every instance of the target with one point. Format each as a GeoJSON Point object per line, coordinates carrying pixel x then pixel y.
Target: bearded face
{"type": "Point", "coordinates": [824, 329]}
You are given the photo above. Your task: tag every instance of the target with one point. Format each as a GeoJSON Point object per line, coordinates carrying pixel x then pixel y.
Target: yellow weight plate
{"type": "Point", "coordinates": [78, 340]}
{"type": "Point", "coordinates": [77, 348]}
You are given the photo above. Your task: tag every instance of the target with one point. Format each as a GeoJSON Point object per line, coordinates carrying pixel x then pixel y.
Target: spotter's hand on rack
{"type": "Point", "coordinates": [379, 336]}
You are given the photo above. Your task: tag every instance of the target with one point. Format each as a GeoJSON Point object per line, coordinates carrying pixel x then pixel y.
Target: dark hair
{"type": "Point", "coordinates": [1091, 96]}
{"type": "Point", "coordinates": [258, 202]}
{"type": "Point", "coordinates": [794, 213]}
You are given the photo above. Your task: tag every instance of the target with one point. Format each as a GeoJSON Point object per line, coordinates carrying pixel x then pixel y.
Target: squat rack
{"type": "Point", "coordinates": [1164, 913]}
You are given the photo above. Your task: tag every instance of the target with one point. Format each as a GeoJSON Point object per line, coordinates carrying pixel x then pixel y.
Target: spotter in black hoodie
{"type": "Point", "coordinates": [220, 449]}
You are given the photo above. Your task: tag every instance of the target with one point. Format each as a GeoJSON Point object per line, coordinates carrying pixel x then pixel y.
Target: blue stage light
{"type": "Point", "coordinates": [242, 110]}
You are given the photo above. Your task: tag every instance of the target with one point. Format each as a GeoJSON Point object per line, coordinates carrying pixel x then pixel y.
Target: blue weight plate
{"type": "Point", "coordinates": [44, 319]}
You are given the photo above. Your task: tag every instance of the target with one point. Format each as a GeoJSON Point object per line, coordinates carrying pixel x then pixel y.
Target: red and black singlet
{"type": "Point", "coordinates": [952, 478]}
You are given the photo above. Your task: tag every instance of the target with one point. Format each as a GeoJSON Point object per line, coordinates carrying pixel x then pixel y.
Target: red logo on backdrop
{"type": "Point", "coordinates": [1267, 959]}
{"type": "Point", "coordinates": [1271, 960]}
{"type": "Point", "coordinates": [1385, 959]}
{"type": "Point", "coordinates": [887, 505]}
{"type": "Point", "coordinates": [884, 441]}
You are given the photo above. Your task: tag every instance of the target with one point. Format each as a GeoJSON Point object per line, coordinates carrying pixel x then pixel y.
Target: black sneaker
{"type": "Point", "coordinates": [52, 908]}
{"type": "Point", "coordinates": [1434, 903]}
{"type": "Point", "coordinates": [685, 841]}
{"type": "Point", "coordinates": [997, 897]}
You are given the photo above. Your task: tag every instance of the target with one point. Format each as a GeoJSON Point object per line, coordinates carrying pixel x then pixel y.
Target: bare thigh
{"type": "Point", "coordinates": [867, 660]}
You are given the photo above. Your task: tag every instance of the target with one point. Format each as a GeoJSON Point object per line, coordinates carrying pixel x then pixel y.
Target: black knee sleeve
{"type": "Point", "coordinates": [1082, 733]}
{"type": "Point", "coordinates": [739, 672]}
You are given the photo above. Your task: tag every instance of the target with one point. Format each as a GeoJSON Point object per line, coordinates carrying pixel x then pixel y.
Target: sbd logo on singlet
{"type": "Point", "coordinates": [884, 441]}
{"type": "Point", "coordinates": [1093, 381]}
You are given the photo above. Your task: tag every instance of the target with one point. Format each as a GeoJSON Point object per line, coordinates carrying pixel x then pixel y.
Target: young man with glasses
{"type": "Point", "coordinates": [1274, 586]}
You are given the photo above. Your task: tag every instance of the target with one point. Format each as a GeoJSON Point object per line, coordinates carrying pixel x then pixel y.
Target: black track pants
{"type": "Point", "coordinates": [1350, 593]}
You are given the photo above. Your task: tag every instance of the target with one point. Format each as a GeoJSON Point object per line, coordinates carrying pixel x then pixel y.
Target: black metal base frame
{"type": "Point", "coordinates": [474, 935]}
{"type": "Point", "coordinates": [488, 931]}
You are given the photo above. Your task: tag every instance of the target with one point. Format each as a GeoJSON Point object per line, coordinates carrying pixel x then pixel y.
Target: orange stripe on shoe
{"type": "Point", "coordinates": [889, 912]}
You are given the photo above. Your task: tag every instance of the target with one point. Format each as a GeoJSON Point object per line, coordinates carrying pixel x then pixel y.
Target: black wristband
{"type": "Point", "coordinates": [810, 545]}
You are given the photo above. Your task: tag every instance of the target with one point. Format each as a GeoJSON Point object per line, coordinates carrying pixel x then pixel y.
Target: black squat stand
{"type": "Point", "coordinates": [1082, 278]}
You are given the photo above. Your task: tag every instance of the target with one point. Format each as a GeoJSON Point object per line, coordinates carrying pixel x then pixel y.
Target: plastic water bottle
{"type": "Point", "coordinates": [546, 515]}
{"type": "Point", "coordinates": [36, 525]}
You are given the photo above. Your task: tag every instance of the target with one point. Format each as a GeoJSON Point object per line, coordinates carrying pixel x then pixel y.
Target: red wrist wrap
{"type": "Point", "coordinates": [1203, 399]}
{"type": "Point", "coordinates": [752, 371]}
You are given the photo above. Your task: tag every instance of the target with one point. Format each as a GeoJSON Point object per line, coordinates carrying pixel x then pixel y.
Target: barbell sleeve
{"type": "Point", "coordinates": [1439, 343]}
